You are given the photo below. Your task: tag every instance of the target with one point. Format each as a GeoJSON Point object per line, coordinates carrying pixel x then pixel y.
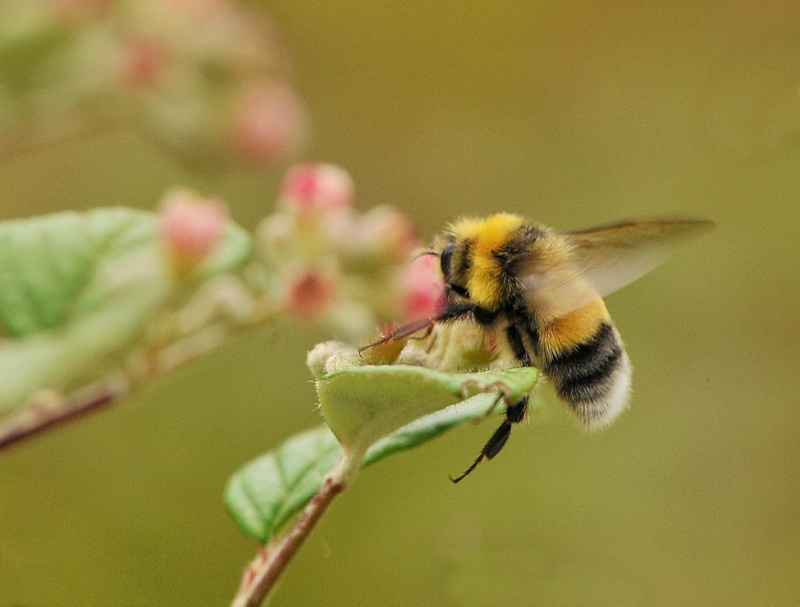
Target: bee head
{"type": "Point", "coordinates": [473, 257]}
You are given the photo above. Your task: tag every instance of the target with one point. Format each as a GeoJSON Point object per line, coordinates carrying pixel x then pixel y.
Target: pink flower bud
{"type": "Point", "coordinates": [191, 226]}
{"type": "Point", "coordinates": [144, 63]}
{"type": "Point", "coordinates": [423, 288]}
{"type": "Point", "coordinates": [269, 123]}
{"type": "Point", "coordinates": [76, 12]}
{"type": "Point", "coordinates": [392, 233]}
{"type": "Point", "coordinates": [317, 187]}
{"type": "Point", "coordinates": [310, 294]}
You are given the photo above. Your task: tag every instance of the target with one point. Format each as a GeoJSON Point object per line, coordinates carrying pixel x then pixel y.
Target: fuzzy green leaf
{"type": "Point", "coordinates": [363, 404]}
{"type": "Point", "coordinates": [77, 291]}
{"type": "Point", "coordinates": [268, 491]}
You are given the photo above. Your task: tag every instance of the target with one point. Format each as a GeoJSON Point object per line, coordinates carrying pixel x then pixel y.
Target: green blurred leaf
{"type": "Point", "coordinates": [77, 290]}
{"type": "Point", "coordinates": [267, 492]}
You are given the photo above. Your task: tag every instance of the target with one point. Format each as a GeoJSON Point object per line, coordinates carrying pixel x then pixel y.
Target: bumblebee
{"type": "Point", "coordinates": [541, 291]}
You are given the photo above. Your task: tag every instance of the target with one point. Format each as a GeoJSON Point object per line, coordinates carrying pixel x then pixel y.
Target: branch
{"type": "Point", "coordinates": [54, 410]}
{"type": "Point", "coordinates": [262, 573]}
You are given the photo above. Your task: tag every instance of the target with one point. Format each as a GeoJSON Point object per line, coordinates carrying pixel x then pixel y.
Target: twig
{"type": "Point", "coordinates": [54, 410]}
{"type": "Point", "coordinates": [262, 573]}
{"type": "Point", "coordinates": [51, 408]}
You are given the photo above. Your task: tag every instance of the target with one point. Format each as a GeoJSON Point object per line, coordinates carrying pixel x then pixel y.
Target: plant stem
{"type": "Point", "coordinates": [262, 573]}
{"type": "Point", "coordinates": [51, 408]}
{"type": "Point", "coordinates": [53, 411]}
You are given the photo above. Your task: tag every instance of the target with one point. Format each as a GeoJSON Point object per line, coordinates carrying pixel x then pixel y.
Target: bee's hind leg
{"type": "Point", "coordinates": [514, 414]}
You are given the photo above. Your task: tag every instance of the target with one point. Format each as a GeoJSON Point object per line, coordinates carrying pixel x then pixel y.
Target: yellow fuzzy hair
{"type": "Point", "coordinates": [571, 330]}
{"type": "Point", "coordinates": [487, 236]}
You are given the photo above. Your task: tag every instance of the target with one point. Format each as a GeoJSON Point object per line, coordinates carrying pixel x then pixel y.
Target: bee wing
{"type": "Point", "coordinates": [602, 260]}
{"type": "Point", "coordinates": [612, 257]}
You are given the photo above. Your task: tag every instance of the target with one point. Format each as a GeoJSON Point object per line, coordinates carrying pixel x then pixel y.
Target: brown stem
{"type": "Point", "coordinates": [264, 570]}
{"type": "Point", "coordinates": [53, 411]}
{"type": "Point", "coordinates": [51, 408]}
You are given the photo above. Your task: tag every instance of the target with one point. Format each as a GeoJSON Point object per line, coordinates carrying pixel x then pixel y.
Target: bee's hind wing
{"type": "Point", "coordinates": [612, 257]}
{"type": "Point", "coordinates": [602, 260]}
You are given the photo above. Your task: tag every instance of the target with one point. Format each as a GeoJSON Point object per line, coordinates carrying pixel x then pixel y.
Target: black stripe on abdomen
{"type": "Point", "coordinates": [585, 373]}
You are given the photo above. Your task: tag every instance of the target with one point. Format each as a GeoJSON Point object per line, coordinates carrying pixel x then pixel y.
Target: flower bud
{"type": "Point", "coordinates": [309, 188]}
{"type": "Point", "coordinates": [331, 356]}
{"type": "Point", "coordinates": [391, 235]}
{"type": "Point", "coordinates": [310, 293]}
{"type": "Point", "coordinates": [269, 123]}
{"type": "Point", "coordinates": [423, 288]}
{"type": "Point", "coordinates": [144, 63]}
{"type": "Point", "coordinates": [191, 227]}
{"type": "Point", "coordinates": [461, 347]}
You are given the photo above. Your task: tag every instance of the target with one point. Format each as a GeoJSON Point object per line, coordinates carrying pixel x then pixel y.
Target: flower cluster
{"type": "Point", "coordinates": [363, 276]}
{"type": "Point", "coordinates": [334, 266]}
{"type": "Point", "coordinates": [203, 78]}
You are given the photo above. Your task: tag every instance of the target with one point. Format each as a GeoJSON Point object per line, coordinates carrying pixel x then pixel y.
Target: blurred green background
{"type": "Point", "coordinates": [573, 114]}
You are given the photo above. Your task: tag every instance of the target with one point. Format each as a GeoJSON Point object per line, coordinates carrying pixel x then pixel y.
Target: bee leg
{"type": "Point", "coordinates": [494, 445]}
{"type": "Point", "coordinates": [514, 338]}
{"type": "Point", "coordinates": [453, 312]}
{"type": "Point", "coordinates": [514, 414]}
{"type": "Point", "coordinates": [448, 314]}
{"type": "Point", "coordinates": [401, 332]}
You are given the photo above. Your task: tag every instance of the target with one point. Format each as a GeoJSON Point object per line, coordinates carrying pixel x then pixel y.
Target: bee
{"type": "Point", "coordinates": [541, 291]}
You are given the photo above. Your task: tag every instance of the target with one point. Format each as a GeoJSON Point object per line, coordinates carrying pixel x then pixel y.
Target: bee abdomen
{"type": "Point", "coordinates": [593, 377]}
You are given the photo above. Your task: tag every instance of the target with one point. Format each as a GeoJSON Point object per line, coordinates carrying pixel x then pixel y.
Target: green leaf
{"type": "Point", "coordinates": [363, 404]}
{"type": "Point", "coordinates": [432, 425]}
{"type": "Point", "coordinates": [77, 290]}
{"type": "Point", "coordinates": [267, 492]}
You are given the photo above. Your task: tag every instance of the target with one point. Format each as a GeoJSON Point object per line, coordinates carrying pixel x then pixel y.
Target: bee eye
{"type": "Point", "coordinates": [459, 290]}
{"type": "Point", "coordinates": [445, 258]}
